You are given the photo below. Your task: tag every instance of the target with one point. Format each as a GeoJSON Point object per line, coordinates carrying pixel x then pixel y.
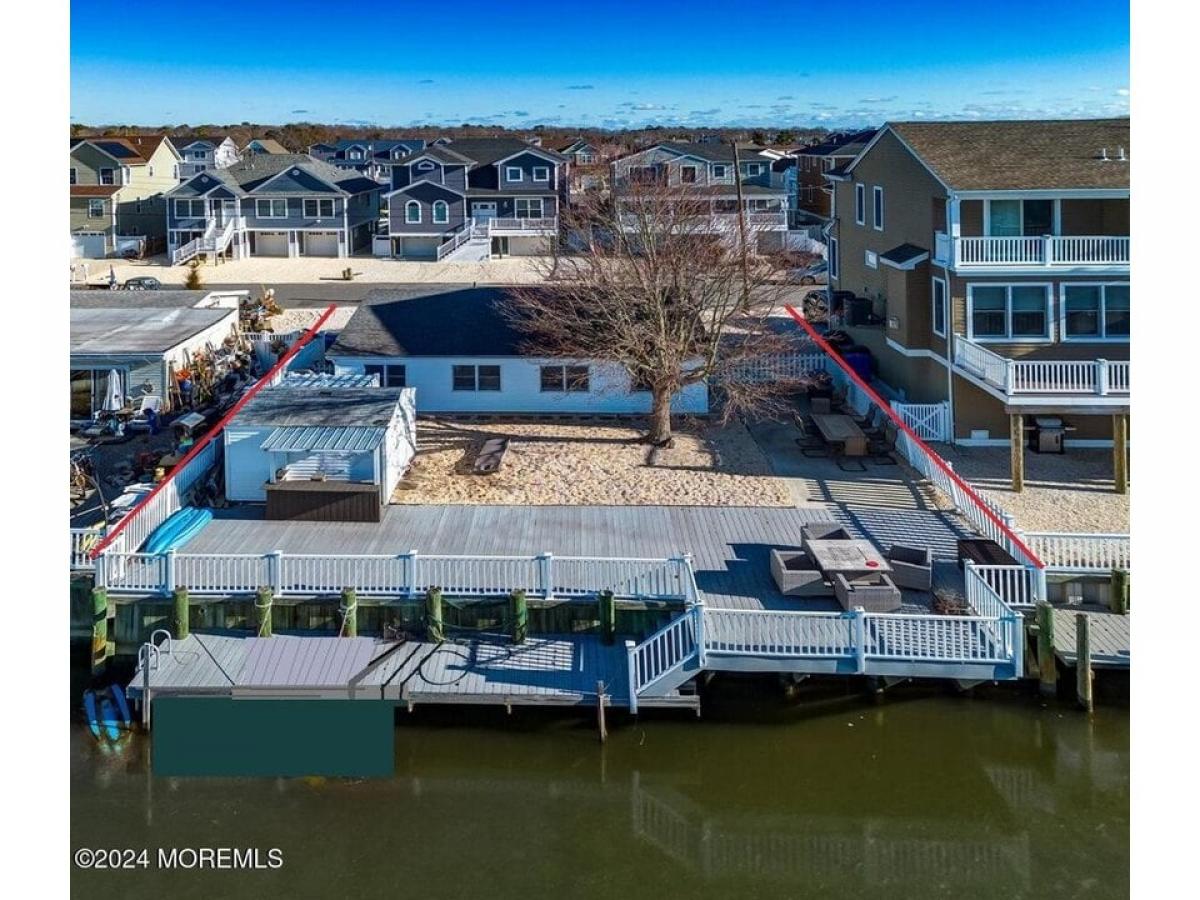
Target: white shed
{"type": "Point", "coordinates": [305, 433]}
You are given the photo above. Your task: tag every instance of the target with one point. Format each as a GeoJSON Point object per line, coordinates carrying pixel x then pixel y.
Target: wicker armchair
{"type": "Point", "coordinates": [912, 567]}
{"type": "Point", "coordinates": [797, 575]}
{"type": "Point", "coordinates": [822, 531]}
{"type": "Point", "coordinates": [874, 592]}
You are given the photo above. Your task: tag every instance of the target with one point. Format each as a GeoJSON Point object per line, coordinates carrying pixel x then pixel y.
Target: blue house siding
{"type": "Point", "coordinates": [425, 193]}
{"type": "Point", "coordinates": [506, 206]}
{"type": "Point", "coordinates": [526, 162]}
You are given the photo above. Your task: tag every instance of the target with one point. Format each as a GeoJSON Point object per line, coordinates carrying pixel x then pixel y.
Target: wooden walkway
{"type": "Point", "coordinates": [1108, 631]}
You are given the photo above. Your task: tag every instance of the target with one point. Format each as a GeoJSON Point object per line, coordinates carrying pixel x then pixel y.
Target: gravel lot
{"type": "Point", "coordinates": [593, 462]}
{"type": "Point", "coordinates": [1072, 492]}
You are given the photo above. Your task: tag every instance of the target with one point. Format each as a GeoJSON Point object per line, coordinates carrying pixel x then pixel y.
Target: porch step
{"type": "Point", "coordinates": [474, 250]}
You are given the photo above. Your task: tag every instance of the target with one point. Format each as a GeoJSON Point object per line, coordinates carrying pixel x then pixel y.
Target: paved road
{"type": "Point", "coordinates": [311, 296]}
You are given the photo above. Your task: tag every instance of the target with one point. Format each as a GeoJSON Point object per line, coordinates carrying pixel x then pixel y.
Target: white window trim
{"type": "Point", "coordinates": [871, 259]}
{"type": "Point", "coordinates": [74, 175]}
{"type": "Point", "coordinates": [180, 214]}
{"type": "Point", "coordinates": [112, 175]}
{"type": "Point", "coordinates": [270, 201]}
{"type": "Point", "coordinates": [91, 205]}
{"type": "Point", "coordinates": [508, 173]}
{"type": "Point", "coordinates": [1047, 287]}
{"type": "Point", "coordinates": [724, 170]}
{"type": "Point", "coordinates": [1062, 312]}
{"type": "Point", "coordinates": [860, 204]}
{"type": "Point", "coordinates": [541, 207]}
{"type": "Point", "coordinates": [426, 165]}
{"type": "Point", "coordinates": [409, 220]}
{"type": "Point", "coordinates": [546, 170]}
{"type": "Point", "coordinates": [834, 258]}
{"type": "Point", "coordinates": [695, 174]}
{"type": "Point", "coordinates": [934, 306]}
{"type": "Point", "coordinates": [445, 219]}
{"type": "Point", "coordinates": [877, 211]}
{"type": "Point", "coordinates": [1056, 224]}
{"type": "Point", "coordinates": [318, 214]}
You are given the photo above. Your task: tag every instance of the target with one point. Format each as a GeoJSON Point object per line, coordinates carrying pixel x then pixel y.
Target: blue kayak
{"type": "Point", "coordinates": [177, 530]}
{"type": "Point", "coordinates": [108, 717]}
{"type": "Point", "coordinates": [118, 696]}
{"type": "Point", "coordinates": [89, 706]}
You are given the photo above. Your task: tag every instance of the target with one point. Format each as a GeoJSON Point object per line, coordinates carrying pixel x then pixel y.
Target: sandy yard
{"type": "Point", "coordinates": [598, 462]}
{"type": "Point", "coordinates": [301, 319]}
{"type": "Point", "coordinates": [1072, 492]}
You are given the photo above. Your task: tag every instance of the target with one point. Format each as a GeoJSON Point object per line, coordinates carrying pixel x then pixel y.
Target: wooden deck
{"type": "Point", "coordinates": [1108, 631]}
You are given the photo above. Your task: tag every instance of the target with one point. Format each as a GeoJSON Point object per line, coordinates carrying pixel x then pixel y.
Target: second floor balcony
{"type": "Point", "coordinates": [1058, 252]}
{"type": "Point", "coordinates": [1043, 378]}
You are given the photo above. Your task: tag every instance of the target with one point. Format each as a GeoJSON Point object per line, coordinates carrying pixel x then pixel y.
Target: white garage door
{"type": "Point", "coordinates": [420, 248]}
{"type": "Point", "coordinates": [270, 243]}
{"type": "Point", "coordinates": [321, 243]}
{"type": "Point", "coordinates": [88, 246]}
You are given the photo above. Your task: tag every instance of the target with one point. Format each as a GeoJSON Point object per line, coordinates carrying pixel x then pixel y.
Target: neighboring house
{"type": "Point", "coordinates": [142, 344]}
{"type": "Point", "coordinates": [588, 171]}
{"type": "Point", "coordinates": [709, 169]}
{"type": "Point", "coordinates": [279, 204]}
{"type": "Point", "coordinates": [804, 171]}
{"type": "Point", "coordinates": [476, 198]}
{"type": "Point", "coordinates": [263, 145]}
{"type": "Point", "coordinates": [373, 157]}
{"type": "Point", "coordinates": [320, 453]}
{"type": "Point", "coordinates": [205, 154]}
{"type": "Point", "coordinates": [993, 259]}
{"type": "Point", "coordinates": [117, 188]}
{"type": "Point", "coordinates": [456, 347]}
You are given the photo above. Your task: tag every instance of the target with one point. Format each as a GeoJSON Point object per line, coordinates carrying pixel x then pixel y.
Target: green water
{"type": "Point", "coordinates": [926, 794]}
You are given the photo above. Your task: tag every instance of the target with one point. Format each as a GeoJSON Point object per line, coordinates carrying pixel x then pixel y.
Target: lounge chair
{"type": "Point", "coordinates": [912, 567]}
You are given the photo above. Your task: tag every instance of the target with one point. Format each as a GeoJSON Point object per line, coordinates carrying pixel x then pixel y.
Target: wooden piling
{"type": "Point", "coordinates": [519, 612]}
{"type": "Point", "coordinates": [434, 626]}
{"type": "Point", "coordinates": [1118, 591]}
{"type": "Point", "coordinates": [99, 629]}
{"type": "Point", "coordinates": [180, 619]}
{"type": "Point", "coordinates": [601, 702]}
{"type": "Point", "coordinates": [349, 610]}
{"type": "Point", "coordinates": [1047, 667]}
{"type": "Point", "coordinates": [1121, 453]}
{"type": "Point", "coordinates": [1083, 661]}
{"type": "Point", "coordinates": [1016, 439]}
{"type": "Point", "coordinates": [263, 602]}
{"type": "Point", "coordinates": [608, 617]}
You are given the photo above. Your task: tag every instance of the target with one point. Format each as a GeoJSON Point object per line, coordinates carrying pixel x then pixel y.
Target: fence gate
{"type": "Point", "coordinates": [930, 421]}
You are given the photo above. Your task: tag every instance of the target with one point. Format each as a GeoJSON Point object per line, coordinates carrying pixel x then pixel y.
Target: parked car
{"type": "Point", "coordinates": [143, 283]}
{"type": "Point", "coordinates": [817, 273]}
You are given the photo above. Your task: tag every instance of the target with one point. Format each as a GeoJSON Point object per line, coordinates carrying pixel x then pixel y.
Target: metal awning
{"type": "Point", "coordinates": [305, 438]}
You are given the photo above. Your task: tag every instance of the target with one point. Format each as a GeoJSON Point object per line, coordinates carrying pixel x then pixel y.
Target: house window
{"type": "Point", "coordinates": [95, 209]}
{"type": "Point", "coordinates": [426, 166]}
{"type": "Point", "coordinates": [412, 212]}
{"type": "Point", "coordinates": [356, 154]}
{"type": "Point", "coordinates": [719, 171]}
{"type": "Point", "coordinates": [274, 208]}
{"type": "Point", "coordinates": [74, 176]}
{"type": "Point", "coordinates": [565, 379]}
{"type": "Point", "coordinates": [871, 258]}
{"type": "Point", "coordinates": [541, 173]}
{"type": "Point", "coordinates": [687, 174]}
{"type": "Point", "coordinates": [1020, 218]}
{"type": "Point", "coordinates": [513, 173]}
{"type": "Point", "coordinates": [877, 207]}
{"type": "Point", "coordinates": [1096, 312]}
{"type": "Point", "coordinates": [752, 169]}
{"type": "Point", "coordinates": [316, 208]}
{"type": "Point", "coordinates": [939, 307]}
{"type": "Point", "coordinates": [189, 209]}
{"type": "Point", "coordinates": [441, 212]}
{"type": "Point", "coordinates": [833, 257]}
{"type": "Point", "coordinates": [389, 376]}
{"type": "Point", "coordinates": [476, 378]}
{"type": "Point", "coordinates": [1009, 312]}
{"type": "Point", "coordinates": [529, 207]}
{"type": "Point", "coordinates": [860, 204]}
{"type": "Point", "coordinates": [106, 176]}
{"type": "Point", "coordinates": [200, 154]}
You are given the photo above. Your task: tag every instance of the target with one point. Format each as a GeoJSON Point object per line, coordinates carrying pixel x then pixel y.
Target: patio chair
{"type": "Point", "coordinates": [809, 439]}
{"type": "Point", "coordinates": [912, 567]}
{"type": "Point", "coordinates": [797, 575]}
{"type": "Point", "coordinates": [823, 531]}
{"type": "Point", "coordinates": [850, 463]}
{"type": "Point", "coordinates": [873, 593]}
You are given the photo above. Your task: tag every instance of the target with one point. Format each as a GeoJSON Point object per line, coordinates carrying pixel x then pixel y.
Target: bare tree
{"type": "Point", "coordinates": [663, 280]}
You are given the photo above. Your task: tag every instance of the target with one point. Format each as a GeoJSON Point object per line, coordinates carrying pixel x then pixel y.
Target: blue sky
{"type": "Point", "coordinates": [601, 63]}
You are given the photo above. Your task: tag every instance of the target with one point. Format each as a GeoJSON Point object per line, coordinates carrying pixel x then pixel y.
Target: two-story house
{"type": "Point", "coordinates": [476, 198]}
{"type": "Point", "coordinates": [989, 265]}
{"type": "Point", "coordinates": [117, 188]}
{"type": "Point", "coordinates": [706, 171]}
{"type": "Point", "coordinates": [588, 170]}
{"type": "Point", "coordinates": [805, 170]}
{"type": "Point", "coordinates": [272, 204]}
{"type": "Point", "coordinates": [263, 145]}
{"type": "Point", "coordinates": [373, 157]}
{"type": "Point", "coordinates": [203, 154]}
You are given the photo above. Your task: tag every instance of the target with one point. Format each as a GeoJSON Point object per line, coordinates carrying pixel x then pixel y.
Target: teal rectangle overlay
{"type": "Point", "coordinates": [219, 736]}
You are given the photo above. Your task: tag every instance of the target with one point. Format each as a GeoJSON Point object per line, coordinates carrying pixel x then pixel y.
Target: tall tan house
{"type": "Point", "coordinates": [989, 263]}
{"type": "Point", "coordinates": [117, 188]}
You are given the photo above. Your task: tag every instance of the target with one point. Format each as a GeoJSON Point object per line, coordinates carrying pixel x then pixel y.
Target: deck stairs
{"type": "Point", "coordinates": [664, 662]}
{"type": "Point", "coordinates": [472, 244]}
{"type": "Point", "coordinates": [216, 239]}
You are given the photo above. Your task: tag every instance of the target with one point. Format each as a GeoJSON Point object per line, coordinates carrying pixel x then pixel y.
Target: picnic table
{"type": "Point", "coordinates": [841, 429]}
{"type": "Point", "coordinates": [853, 557]}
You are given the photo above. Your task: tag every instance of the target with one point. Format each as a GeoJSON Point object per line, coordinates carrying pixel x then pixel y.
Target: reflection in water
{"type": "Point", "coordinates": [932, 796]}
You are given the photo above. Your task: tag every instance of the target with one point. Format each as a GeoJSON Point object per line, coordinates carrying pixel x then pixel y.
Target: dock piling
{"type": "Point", "coordinates": [349, 611]}
{"type": "Point", "coordinates": [519, 610]}
{"type": "Point", "coordinates": [99, 629]}
{"type": "Point", "coordinates": [601, 702]}
{"type": "Point", "coordinates": [434, 626]}
{"type": "Point", "coordinates": [608, 617]}
{"type": "Point", "coordinates": [1047, 668]}
{"type": "Point", "coordinates": [1083, 661]}
{"type": "Point", "coordinates": [182, 613]}
{"type": "Point", "coordinates": [263, 602]}
{"type": "Point", "coordinates": [1118, 591]}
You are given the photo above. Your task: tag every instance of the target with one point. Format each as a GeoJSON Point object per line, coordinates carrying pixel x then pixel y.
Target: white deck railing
{"type": "Point", "coordinates": [1081, 553]}
{"type": "Point", "coordinates": [779, 633]}
{"type": "Point", "coordinates": [546, 225]}
{"type": "Point", "coordinates": [83, 541]}
{"type": "Point", "coordinates": [1073, 251]}
{"type": "Point", "coordinates": [1016, 586]}
{"type": "Point", "coordinates": [665, 651]}
{"type": "Point", "coordinates": [1099, 377]}
{"type": "Point", "coordinates": [398, 576]}
{"type": "Point", "coordinates": [769, 369]}
{"type": "Point", "coordinates": [448, 247]}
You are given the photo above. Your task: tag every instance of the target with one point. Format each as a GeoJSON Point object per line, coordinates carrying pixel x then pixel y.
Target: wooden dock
{"type": "Point", "coordinates": [1109, 634]}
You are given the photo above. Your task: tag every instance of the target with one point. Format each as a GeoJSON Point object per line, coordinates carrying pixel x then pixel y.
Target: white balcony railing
{"type": "Point", "coordinates": [1099, 377]}
{"type": "Point", "coordinates": [1074, 251]}
{"type": "Point", "coordinates": [523, 226]}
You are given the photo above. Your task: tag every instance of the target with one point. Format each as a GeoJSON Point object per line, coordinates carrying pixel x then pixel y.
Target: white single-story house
{"type": "Point", "coordinates": [456, 348]}
{"type": "Point", "coordinates": [142, 343]}
{"type": "Point", "coordinates": [300, 432]}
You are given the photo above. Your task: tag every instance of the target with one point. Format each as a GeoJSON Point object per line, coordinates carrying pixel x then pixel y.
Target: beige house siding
{"type": "Point", "coordinates": [672, 163]}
